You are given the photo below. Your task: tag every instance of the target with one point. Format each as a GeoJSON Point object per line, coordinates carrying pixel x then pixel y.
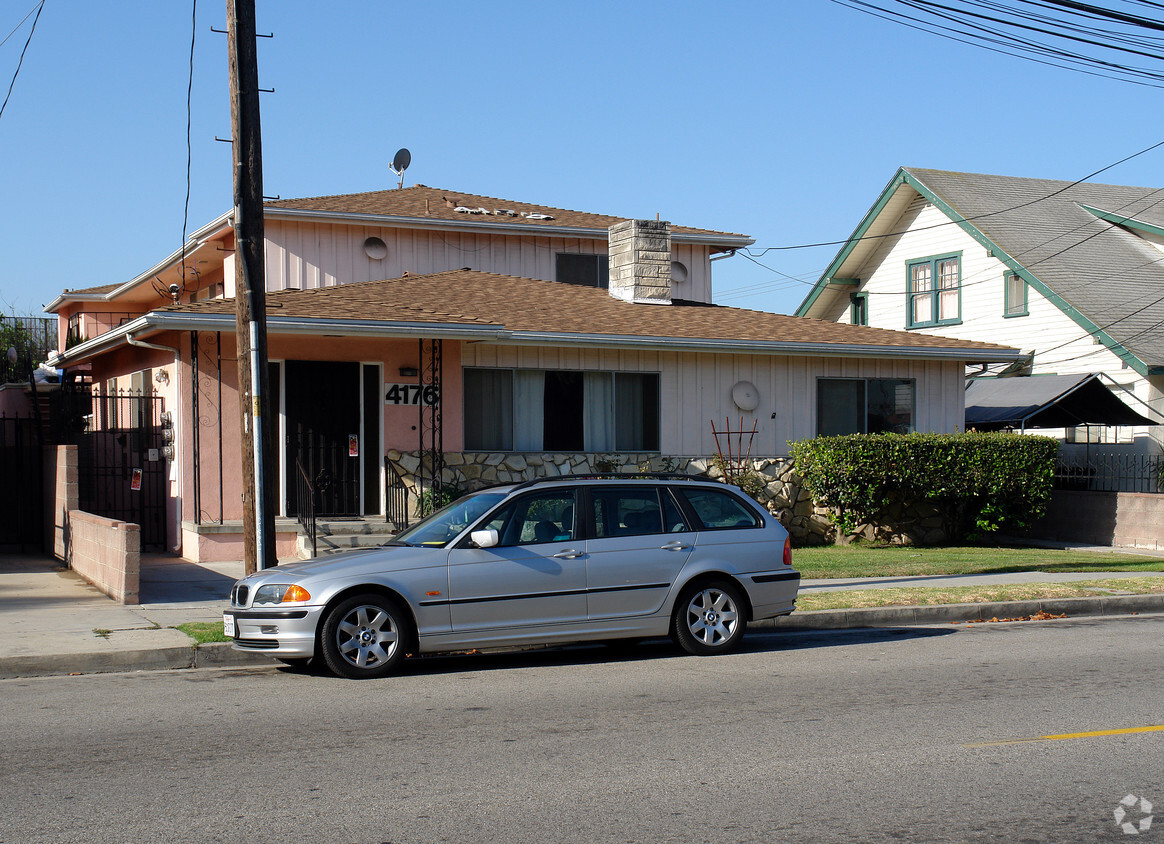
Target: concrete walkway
{"type": "Point", "coordinates": [53, 622]}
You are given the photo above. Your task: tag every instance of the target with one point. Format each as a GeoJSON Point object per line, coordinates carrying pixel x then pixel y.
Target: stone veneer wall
{"type": "Point", "coordinates": [774, 480]}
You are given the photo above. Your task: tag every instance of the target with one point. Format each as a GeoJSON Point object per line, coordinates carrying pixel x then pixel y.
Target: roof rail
{"type": "Point", "coordinates": [605, 476]}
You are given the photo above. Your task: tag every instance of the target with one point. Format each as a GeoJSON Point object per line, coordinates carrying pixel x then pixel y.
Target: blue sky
{"type": "Point", "coordinates": [780, 120]}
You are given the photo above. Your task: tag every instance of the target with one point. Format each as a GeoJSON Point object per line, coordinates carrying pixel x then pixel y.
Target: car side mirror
{"type": "Point", "coordinates": [485, 538]}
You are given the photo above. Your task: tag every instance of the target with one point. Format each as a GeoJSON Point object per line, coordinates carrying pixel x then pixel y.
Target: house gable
{"type": "Point", "coordinates": [991, 213]}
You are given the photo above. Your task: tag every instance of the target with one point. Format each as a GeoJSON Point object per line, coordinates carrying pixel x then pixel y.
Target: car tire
{"type": "Point", "coordinates": [366, 636]}
{"type": "Point", "coordinates": [709, 618]}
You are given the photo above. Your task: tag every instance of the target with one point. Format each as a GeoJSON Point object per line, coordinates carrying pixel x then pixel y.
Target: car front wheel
{"type": "Point", "coordinates": [709, 618]}
{"type": "Point", "coordinates": [365, 636]}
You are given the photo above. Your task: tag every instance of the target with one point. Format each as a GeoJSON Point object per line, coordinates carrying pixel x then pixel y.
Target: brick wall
{"type": "Point", "coordinates": [60, 496]}
{"type": "Point", "coordinates": [1104, 518]}
{"type": "Point", "coordinates": [107, 553]}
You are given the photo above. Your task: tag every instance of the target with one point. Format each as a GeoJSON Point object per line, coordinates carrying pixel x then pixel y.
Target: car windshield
{"type": "Point", "coordinates": [445, 524]}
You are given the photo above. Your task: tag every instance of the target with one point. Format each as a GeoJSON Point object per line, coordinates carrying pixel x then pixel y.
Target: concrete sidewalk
{"type": "Point", "coordinates": [53, 622]}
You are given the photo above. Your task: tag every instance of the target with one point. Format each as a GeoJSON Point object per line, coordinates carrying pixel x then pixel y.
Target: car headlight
{"type": "Point", "coordinates": [280, 593]}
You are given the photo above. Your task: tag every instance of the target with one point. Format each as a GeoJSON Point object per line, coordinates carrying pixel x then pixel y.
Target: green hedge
{"type": "Point", "coordinates": [988, 482]}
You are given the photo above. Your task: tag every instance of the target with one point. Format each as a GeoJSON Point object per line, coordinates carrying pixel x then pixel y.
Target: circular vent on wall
{"type": "Point", "coordinates": [745, 395]}
{"type": "Point", "coordinates": [678, 272]}
{"type": "Point", "coordinates": [375, 248]}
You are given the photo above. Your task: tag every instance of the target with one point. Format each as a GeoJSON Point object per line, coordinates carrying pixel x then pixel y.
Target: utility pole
{"type": "Point", "coordinates": [250, 288]}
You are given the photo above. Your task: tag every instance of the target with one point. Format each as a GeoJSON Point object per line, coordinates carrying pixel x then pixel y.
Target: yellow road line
{"type": "Point", "coordinates": [1063, 736]}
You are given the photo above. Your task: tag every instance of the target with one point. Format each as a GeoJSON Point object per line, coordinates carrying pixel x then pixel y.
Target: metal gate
{"type": "Point", "coordinates": [21, 497]}
{"type": "Point", "coordinates": [323, 411]}
{"type": "Point", "coordinates": [121, 463]}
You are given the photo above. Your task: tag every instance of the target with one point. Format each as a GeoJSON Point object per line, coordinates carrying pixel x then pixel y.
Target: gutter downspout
{"type": "Point", "coordinates": [133, 341]}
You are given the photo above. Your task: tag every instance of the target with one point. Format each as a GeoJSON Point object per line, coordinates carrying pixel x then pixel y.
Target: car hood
{"type": "Point", "coordinates": [358, 563]}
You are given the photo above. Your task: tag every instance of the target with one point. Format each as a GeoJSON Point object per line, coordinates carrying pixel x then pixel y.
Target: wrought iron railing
{"type": "Point", "coordinates": [395, 497]}
{"type": "Point", "coordinates": [31, 338]}
{"type": "Point", "coordinates": [305, 501]}
{"type": "Point", "coordinates": [1111, 473]}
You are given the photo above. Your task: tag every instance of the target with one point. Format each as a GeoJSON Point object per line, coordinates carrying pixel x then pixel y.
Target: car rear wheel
{"type": "Point", "coordinates": [366, 636]}
{"type": "Point", "coordinates": [709, 618]}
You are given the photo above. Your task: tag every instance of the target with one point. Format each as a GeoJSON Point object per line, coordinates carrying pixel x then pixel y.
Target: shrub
{"type": "Point", "coordinates": [988, 482]}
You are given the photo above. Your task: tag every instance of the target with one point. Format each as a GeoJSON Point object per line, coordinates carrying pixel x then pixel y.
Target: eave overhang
{"type": "Point", "coordinates": [495, 226]}
{"type": "Point", "coordinates": [159, 321]}
{"type": "Point", "coordinates": [193, 243]}
{"type": "Point", "coordinates": [773, 347]}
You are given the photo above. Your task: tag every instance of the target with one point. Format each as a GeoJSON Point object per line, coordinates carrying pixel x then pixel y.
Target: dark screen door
{"type": "Point", "coordinates": [323, 411]}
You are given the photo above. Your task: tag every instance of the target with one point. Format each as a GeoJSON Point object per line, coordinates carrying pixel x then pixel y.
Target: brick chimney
{"type": "Point", "coordinates": [640, 261]}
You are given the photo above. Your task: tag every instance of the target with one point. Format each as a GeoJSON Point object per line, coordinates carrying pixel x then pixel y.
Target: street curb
{"type": "Point", "coordinates": [222, 655]}
{"type": "Point", "coordinates": [949, 613]}
{"type": "Point", "coordinates": [208, 655]}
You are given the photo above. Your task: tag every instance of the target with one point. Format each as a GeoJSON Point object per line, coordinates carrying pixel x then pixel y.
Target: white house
{"type": "Point", "coordinates": [1070, 273]}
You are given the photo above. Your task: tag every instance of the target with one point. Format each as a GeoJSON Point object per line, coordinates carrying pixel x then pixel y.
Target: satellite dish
{"type": "Point", "coordinates": [400, 164]}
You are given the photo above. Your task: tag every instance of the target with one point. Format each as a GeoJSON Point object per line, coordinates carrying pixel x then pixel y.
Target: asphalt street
{"type": "Point", "coordinates": [905, 734]}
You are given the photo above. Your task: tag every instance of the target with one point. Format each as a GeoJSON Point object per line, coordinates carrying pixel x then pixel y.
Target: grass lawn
{"type": "Point", "coordinates": [915, 596]}
{"type": "Point", "coordinates": [204, 631]}
{"type": "Point", "coordinates": [897, 561]}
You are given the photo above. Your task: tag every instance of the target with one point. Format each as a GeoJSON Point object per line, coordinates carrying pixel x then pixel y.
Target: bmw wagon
{"type": "Point", "coordinates": [548, 561]}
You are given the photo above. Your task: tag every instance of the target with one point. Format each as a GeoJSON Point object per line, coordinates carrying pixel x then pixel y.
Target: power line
{"type": "Point", "coordinates": [1011, 30]}
{"type": "Point", "coordinates": [189, 153]}
{"type": "Point", "coordinates": [20, 63]}
{"type": "Point", "coordinates": [960, 219]}
{"type": "Point", "coordinates": [16, 28]}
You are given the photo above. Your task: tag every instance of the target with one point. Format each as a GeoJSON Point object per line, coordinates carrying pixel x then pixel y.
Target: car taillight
{"type": "Point", "coordinates": [788, 551]}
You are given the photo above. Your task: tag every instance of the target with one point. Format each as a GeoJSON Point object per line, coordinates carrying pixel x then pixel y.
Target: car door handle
{"type": "Point", "coordinates": [568, 554]}
{"type": "Point", "coordinates": [675, 546]}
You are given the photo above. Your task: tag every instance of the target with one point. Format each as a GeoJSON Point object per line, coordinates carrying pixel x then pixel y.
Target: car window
{"type": "Point", "coordinates": [717, 509]}
{"type": "Point", "coordinates": [673, 519]}
{"type": "Point", "coordinates": [538, 517]}
{"type": "Point", "coordinates": [626, 512]}
{"type": "Point", "coordinates": [446, 523]}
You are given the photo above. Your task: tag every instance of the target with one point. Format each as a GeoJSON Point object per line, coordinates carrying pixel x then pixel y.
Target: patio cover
{"type": "Point", "coordinates": [1045, 401]}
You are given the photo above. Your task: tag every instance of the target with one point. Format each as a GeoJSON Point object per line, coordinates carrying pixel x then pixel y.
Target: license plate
{"type": "Point", "coordinates": [228, 625]}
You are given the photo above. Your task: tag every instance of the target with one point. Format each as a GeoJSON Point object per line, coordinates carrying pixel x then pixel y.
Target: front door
{"type": "Point", "coordinates": [323, 415]}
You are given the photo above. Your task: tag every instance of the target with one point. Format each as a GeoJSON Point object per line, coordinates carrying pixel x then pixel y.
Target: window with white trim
{"type": "Point", "coordinates": [933, 291]}
{"type": "Point", "coordinates": [864, 406]}
{"type": "Point", "coordinates": [1014, 295]}
{"type": "Point", "coordinates": [560, 410]}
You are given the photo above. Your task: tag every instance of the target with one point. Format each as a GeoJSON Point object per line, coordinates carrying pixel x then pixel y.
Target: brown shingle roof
{"type": "Point", "coordinates": [92, 291]}
{"type": "Point", "coordinates": [469, 297]}
{"type": "Point", "coordinates": [425, 203]}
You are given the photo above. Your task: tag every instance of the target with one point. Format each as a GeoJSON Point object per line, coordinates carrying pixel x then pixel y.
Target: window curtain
{"type": "Point", "coordinates": [529, 390]}
{"type": "Point", "coordinates": [488, 410]}
{"type": "Point", "coordinates": [598, 411]}
{"type": "Point", "coordinates": [629, 399]}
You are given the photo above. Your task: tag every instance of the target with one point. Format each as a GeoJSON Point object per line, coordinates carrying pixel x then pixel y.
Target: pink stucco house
{"type": "Point", "coordinates": [502, 339]}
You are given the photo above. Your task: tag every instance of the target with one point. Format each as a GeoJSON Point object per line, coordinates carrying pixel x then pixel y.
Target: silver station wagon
{"type": "Point", "coordinates": [548, 561]}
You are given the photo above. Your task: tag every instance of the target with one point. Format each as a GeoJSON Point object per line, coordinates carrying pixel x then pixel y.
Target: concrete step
{"type": "Point", "coordinates": [342, 527]}
{"type": "Point", "coordinates": [336, 535]}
